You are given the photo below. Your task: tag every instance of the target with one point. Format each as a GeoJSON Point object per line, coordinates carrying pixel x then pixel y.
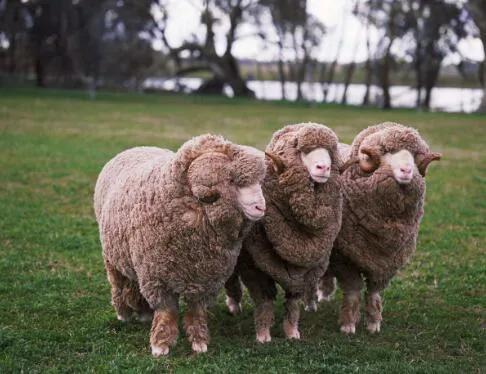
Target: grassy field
{"type": "Point", "coordinates": [55, 312]}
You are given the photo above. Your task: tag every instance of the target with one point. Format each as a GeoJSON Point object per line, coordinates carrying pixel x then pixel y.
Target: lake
{"type": "Point", "coordinates": [447, 99]}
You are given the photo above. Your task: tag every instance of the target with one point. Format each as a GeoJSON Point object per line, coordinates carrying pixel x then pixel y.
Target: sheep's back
{"type": "Point", "coordinates": [130, 164]}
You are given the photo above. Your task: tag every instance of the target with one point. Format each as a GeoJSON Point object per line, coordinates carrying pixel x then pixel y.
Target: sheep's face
{"type": "Point", "coordinates": [318, 164]}
{"type": "Point", "coordinates": [402, 164]}
{"type": "Point", "coordinates": [251, 201]}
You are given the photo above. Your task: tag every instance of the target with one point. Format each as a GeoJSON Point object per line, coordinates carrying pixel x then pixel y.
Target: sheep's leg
{"type": "Point", "coordinates": [264, 318]}
{"type": "Point", "coordinates": [311, 281]}
{"type": "Point", "coordinates": [349, 315]}
{"type": "Point", "coordinates": [351, 282]}
{"type": "Point", "coordinates": [317, 282]}
{"type": "Point", "coordinates": [327, 287]}
{"type": "Point", "coordinates": [134, 299]}
{"type": "Point", "coordinates": [196, 326]}
{"type": "Point", "coordinates": [263, 292]}
{"type": "Point", "coordinates": [145, 313]}
{"type": "Point", "coordinates": [311, 297]}
{"type": "Point", "coordinates": [373, 311]}
{"type": "Point", "coordinates": [374, 305]}
{"type": "Point", "coordinates": [164, 326]}
{"type": "Point", "coordinates": [292, 316]}
{"type": "Point", "coordinates": [122, 296]}
{"type": "Point", "coordinates": [234, 294]}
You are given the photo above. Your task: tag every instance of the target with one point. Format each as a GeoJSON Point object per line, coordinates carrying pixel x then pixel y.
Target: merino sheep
{"type": "Point", "coordinates": [292, 244]}
{"type": "Point", "coordinates": [384, 191]}
{"type": "Point", "coordinates": [172, 225]}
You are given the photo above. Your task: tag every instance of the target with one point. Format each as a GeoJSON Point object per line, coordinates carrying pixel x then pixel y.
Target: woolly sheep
{"type": "Point", "coordinates": [292, 244]}
{"type": "Point", "coordinates": [384, 192]}
{"type": "Point", "coordinates": [172, 225]}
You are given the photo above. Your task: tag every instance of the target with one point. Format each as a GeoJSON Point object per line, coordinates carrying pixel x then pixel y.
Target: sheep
{"type": "Point", "coordinates": [384, 192]}
{"type": "Point", "coordinates": [292, 244]}
{"type": "Point", "coordinates": [171, 225]}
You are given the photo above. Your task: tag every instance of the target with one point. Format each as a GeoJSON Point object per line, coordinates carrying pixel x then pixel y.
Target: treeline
{"type": "Point", "coordinates": [78, 42]}
{"type": "Point", "coordinates": [95, 43]}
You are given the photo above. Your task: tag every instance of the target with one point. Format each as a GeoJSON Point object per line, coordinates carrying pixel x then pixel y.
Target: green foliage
{"type": "Point", "coordinates": [55, 312]}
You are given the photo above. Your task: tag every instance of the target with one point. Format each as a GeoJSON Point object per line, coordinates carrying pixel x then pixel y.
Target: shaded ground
{"type": "Point", "coordinates": [55, 311]}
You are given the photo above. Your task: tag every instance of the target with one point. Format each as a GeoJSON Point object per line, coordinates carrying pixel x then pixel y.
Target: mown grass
{"type": "Point", "coordinates": [55, 312]}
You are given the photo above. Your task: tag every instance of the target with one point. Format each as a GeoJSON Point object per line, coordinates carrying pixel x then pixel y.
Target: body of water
{"type": "Point", "coordinates": [447, 99]}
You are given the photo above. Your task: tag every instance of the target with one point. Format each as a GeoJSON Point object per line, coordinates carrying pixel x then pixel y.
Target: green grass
{"type": "Point", "coordinates": [55, 312]}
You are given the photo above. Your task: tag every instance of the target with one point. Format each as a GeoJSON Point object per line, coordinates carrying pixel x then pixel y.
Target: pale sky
{"type": "Point", "coordinates": [184, 18]}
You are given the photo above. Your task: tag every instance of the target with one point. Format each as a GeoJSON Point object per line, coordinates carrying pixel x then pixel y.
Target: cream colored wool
{"type": "Point", "coordinates": [170, 227]}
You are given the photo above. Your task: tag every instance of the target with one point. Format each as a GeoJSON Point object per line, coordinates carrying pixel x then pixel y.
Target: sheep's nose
{"type": "Point", "coordinates": [322, 167]}
{"type": "Point", "coordinates": [406, 169]}
{"type": "Point", "coordinates": [260, 207]}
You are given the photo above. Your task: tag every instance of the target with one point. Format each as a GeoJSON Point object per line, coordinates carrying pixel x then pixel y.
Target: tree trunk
{"type": "Point", "coordinates": [330, 80]}
{"type": "Point", "coordinates": [332, 68]}
{"type": "Point", "coordinates": [39, 72]}
{"type": "Point", "coordinates": [477, 8]}
{"type": "Point", "coordinates": [368, 67]}
{"type": "Point", "coordinates": [384, 74]}
{"type": "Point", "coordinates": [368, 77]}
{"type": "Point", "coordinates": [231, 75]}
{"type": "Point", "coordinates": [430, 82]}
{"type": "Point", "coordinates": [281, 75]}
{"type": "Point", "coordinates": [301, 72]}
{"type": "Point", "coordinates": [418, 72]}
{"type": "Point", "coordinates": [11, 52]}
{"type": "Point", "coordinates": [347, 81]}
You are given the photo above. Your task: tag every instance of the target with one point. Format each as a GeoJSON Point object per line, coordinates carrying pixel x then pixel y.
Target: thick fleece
{"type": "Point", "coordinates": [170, 226]}
{"type": "Point", "coordinates": [380, 221]}
{"type": "Point", "coordinates": [292, 245]}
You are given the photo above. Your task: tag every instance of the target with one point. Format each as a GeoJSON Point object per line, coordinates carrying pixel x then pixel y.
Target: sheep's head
{"type": "Point", "coordinates": [313, 146]}
{"type": "Point", "coordinates": [399, 148]}
{"type": "Point", "coordinates": [231, 177]}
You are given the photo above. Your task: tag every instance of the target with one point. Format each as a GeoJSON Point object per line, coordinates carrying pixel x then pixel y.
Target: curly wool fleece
{"type": "Point", "coordinates": [154, 227]}
{"type": "Point", "coordinates": [293, 243]}
{"type": "Point", "coordinates": [380, 217]}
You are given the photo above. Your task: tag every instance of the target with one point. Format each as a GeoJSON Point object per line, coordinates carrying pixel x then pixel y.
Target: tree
{"type": "Point", "coordinates": [389, 17]}
{"type": "Point", "coordinates": [286, 17]}
{"type": "Point", "coordinates": [202, 52]}
{"type": "Point", "coordinates": [477, 8]}
{"type": "Point", "coordinates": [352, 65]}
{"type": "Point", "coordinates": [332, 68]}
{"type": "Point", "coordinates": [436, 28]}
{"type": "Point", "coordinates": [72, 41]}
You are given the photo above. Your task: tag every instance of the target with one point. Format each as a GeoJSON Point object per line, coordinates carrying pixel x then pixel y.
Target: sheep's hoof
{"type": "Point", "coordinates": [160, 351]}
{"type": "Point", "coordinates": [311, 307]}
{"type": "Point", "coordinates": [263, 336]}
{"type": "Point", "coordinates": [199, 347]}
{"type": "Point", "coordinates": [119, 317]}
{"type": "Point", "coordinates": [233, 307]}
{"type": "Point", "coordinates": [374, 327]}
{"type": "Point", "coordinates": [321, 296]}
{"type": "Point", "coordinates": [348, 329]}
{"type": "Point", "coordinates": [145, 317]}
{"type": "Point", "coordinates": [291, 331]}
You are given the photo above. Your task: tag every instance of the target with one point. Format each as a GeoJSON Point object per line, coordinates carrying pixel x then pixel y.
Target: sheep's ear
{"type": "Point", "coordinates": [425, 160]}
{"type": "Point", "coordinates": [205, 194]}
{"type": "Point", "coordinates": [277, 162]}
{"type": "Point", "coordinates": [372, 162]}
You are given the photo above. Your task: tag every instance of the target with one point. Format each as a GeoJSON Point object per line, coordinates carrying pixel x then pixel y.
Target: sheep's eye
{"type": "Point", "coordinates": [210, 198]}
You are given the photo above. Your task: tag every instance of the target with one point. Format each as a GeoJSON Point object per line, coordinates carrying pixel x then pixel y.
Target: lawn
{"type": "Point", "coordinates": [55, 312]}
